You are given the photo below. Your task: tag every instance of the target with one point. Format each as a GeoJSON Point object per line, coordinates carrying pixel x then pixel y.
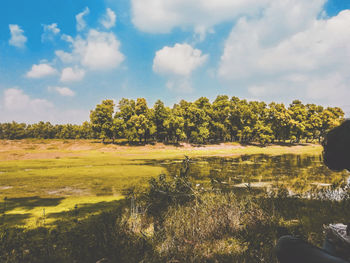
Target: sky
{"type": "Point", "coordinates": [60, 58]}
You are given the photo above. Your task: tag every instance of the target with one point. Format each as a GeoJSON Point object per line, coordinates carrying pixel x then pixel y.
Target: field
{"type": "Point", "coordinates": [42, 181]}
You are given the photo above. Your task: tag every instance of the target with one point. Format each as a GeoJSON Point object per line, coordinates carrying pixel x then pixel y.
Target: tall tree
{"type": "Point", "coordinates": [279, 119]}
{"type": "Point", "coordinates": [331, 117]}
{"type": "Point", "coordinates": [140, 125]}
{"type": "Point", "coordinates": [126, 109]}
{"type": "Point", "coordinates": [101, 119]}
{"type": "Point", "coordinates": [141, 107]}
{"type": "Point", "coordinates": [298, 113]}
{"type": "Point", "coordinates": [219, 125]}
{"type": "Point", "coordinates": [161, 115]}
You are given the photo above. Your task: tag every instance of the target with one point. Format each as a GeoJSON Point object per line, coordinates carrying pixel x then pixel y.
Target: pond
{"type": "Point", "coordinates": [297, 173]}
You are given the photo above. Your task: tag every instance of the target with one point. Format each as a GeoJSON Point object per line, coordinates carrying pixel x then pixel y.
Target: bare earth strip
{"type": "Point", "coordinates": [51, 149]}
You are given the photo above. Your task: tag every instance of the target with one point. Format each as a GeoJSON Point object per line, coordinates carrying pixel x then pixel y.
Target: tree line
{"type": "Point", "coordinates": [45, 130]}
{"type": "Point", "coordinates": [225, 119]}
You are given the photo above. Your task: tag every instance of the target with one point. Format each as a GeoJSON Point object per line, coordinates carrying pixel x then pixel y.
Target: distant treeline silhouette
{"type": "Point", "coordinates": [225, 119]}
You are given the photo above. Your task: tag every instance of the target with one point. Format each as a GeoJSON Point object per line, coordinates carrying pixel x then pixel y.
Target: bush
{"type": "Point", "coordinates": [215, 227]}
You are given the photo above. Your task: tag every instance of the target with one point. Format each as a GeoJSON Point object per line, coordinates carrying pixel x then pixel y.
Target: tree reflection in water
{"type": "Point", "coordinates": [300, 174]}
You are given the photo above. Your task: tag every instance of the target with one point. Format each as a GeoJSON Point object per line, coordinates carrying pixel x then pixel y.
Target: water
{"type": "Point", "coordinates": [298, 173]}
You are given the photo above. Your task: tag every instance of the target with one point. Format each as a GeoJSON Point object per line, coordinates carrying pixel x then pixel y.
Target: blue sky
{"type": "Point", "coordinates": [59, 58]}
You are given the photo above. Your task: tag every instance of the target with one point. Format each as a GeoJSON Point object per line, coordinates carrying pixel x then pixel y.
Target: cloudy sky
{"type": "Point", "coordinates": [59, 58]}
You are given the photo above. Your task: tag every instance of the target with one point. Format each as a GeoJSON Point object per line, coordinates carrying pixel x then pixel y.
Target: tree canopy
{"type": "Point", "coordinates": [225, 119]}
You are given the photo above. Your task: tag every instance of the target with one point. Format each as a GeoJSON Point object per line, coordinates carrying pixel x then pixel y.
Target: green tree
{"type": "Point", "coordinates": [175, 128]}
{"type": "Point", "coordinates": [139, 127]}
{"type": "Point", "coordinates": [331, 117]}
{"type": "Point", "coordinates": [161, 115]}
{"type": "Point", "coordinates": [264, 133]}
{"type": "Point", "coordinates": [298, 114]}
{"type": "Point", "coordinates": [196, 119]}
{"type": "Point", "coordinates": [42, 130]}
{"type": "Point", "coordinates": [198, 122]}
{"type": "Point", "coordinates": [240, 119]}
{"type": "Point", "coordinates": [118, 128]}
{"type": "Point", "coordinates": [126, 109]}
{"type": "Point", "coordinates": [257, 121]}
{"type": "Point", "coordinates": [102, 119]}
{"type": "Point", "coordinates": [313, 122]}
{"type": "Point", "coordinates": [141, 107]}
{"type": "Point", "coordinates": [279, 120]}
{"type": "Point", "coordinates": [85, 131]}
{"type": "Point", "coordinates": [13, 131]}
{"type": "Point", "coordinates": [219, 124]}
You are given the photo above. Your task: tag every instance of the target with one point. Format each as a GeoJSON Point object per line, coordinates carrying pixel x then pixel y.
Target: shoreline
{"type": "Point", "coordinates": [27, 149]}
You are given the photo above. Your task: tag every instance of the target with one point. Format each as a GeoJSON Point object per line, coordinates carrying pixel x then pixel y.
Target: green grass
{"type": "Point", "coordinates": [57, 175]}
{"type": "Point", "coordinates": [36, 211]}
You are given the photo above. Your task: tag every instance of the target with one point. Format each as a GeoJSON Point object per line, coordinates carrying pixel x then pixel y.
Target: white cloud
{"type": "Point", "coordinates": [70, 75]}
{"type": "Point", "coordinates": [109, 19]}
{"type": "Point", "coordinates": [90, 50]}
{"type": "Point", "coordinates": [180, 85]}
{"type": "Point", "coordinates": [50, 31]}
{"type": "Point", "coordinates": [177, 63]}
{"type": "Point", "coordinates": [40, 71]}
{"type": "Point", "coordinates": [81, 24]}
{"type": "Point", "coordinates": [249, 49]}
{"type": "Point", "coordinates": [257, 91]}
{"type": "Point", "coordinates": [65, 57]}
{"type": "Point", "coordinates": [182, 60]}
{"type": "Point", "coordinates": [16, 100]}
{"type": "Point", "coordinates": [18, 106]}
{"type": "Point", "coordinates": [67, 38]}
{"type": "Point", "coordinates": [330, 89]}
{"type": "Point", "coordinates": [18, 39]}
{"type": "Point", "coordinates": [63, 91]}
{"type": "Point", "coordinates": [101, 51]}
{"type": "Point", "coordinates": [161, 16]}
{"type": "Point", "coordinates": [98, 51]}
{"type": "Point", "coordinates": [289, 51]}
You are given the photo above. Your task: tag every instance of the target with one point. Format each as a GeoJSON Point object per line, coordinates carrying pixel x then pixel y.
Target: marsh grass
{"type": "Point", "coordinates": [223, 227]}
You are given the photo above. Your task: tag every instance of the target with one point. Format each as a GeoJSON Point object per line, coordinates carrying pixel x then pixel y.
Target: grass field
{"type": "Point", "coordinates": [42, 181]}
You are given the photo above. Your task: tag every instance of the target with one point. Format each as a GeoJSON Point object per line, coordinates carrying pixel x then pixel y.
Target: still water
{"type": "Point", "coordinates": [297, 173]}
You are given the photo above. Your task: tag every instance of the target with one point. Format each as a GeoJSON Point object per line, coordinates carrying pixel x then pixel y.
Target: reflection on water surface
{"type": "Point", "coordinates": [298, 173]}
